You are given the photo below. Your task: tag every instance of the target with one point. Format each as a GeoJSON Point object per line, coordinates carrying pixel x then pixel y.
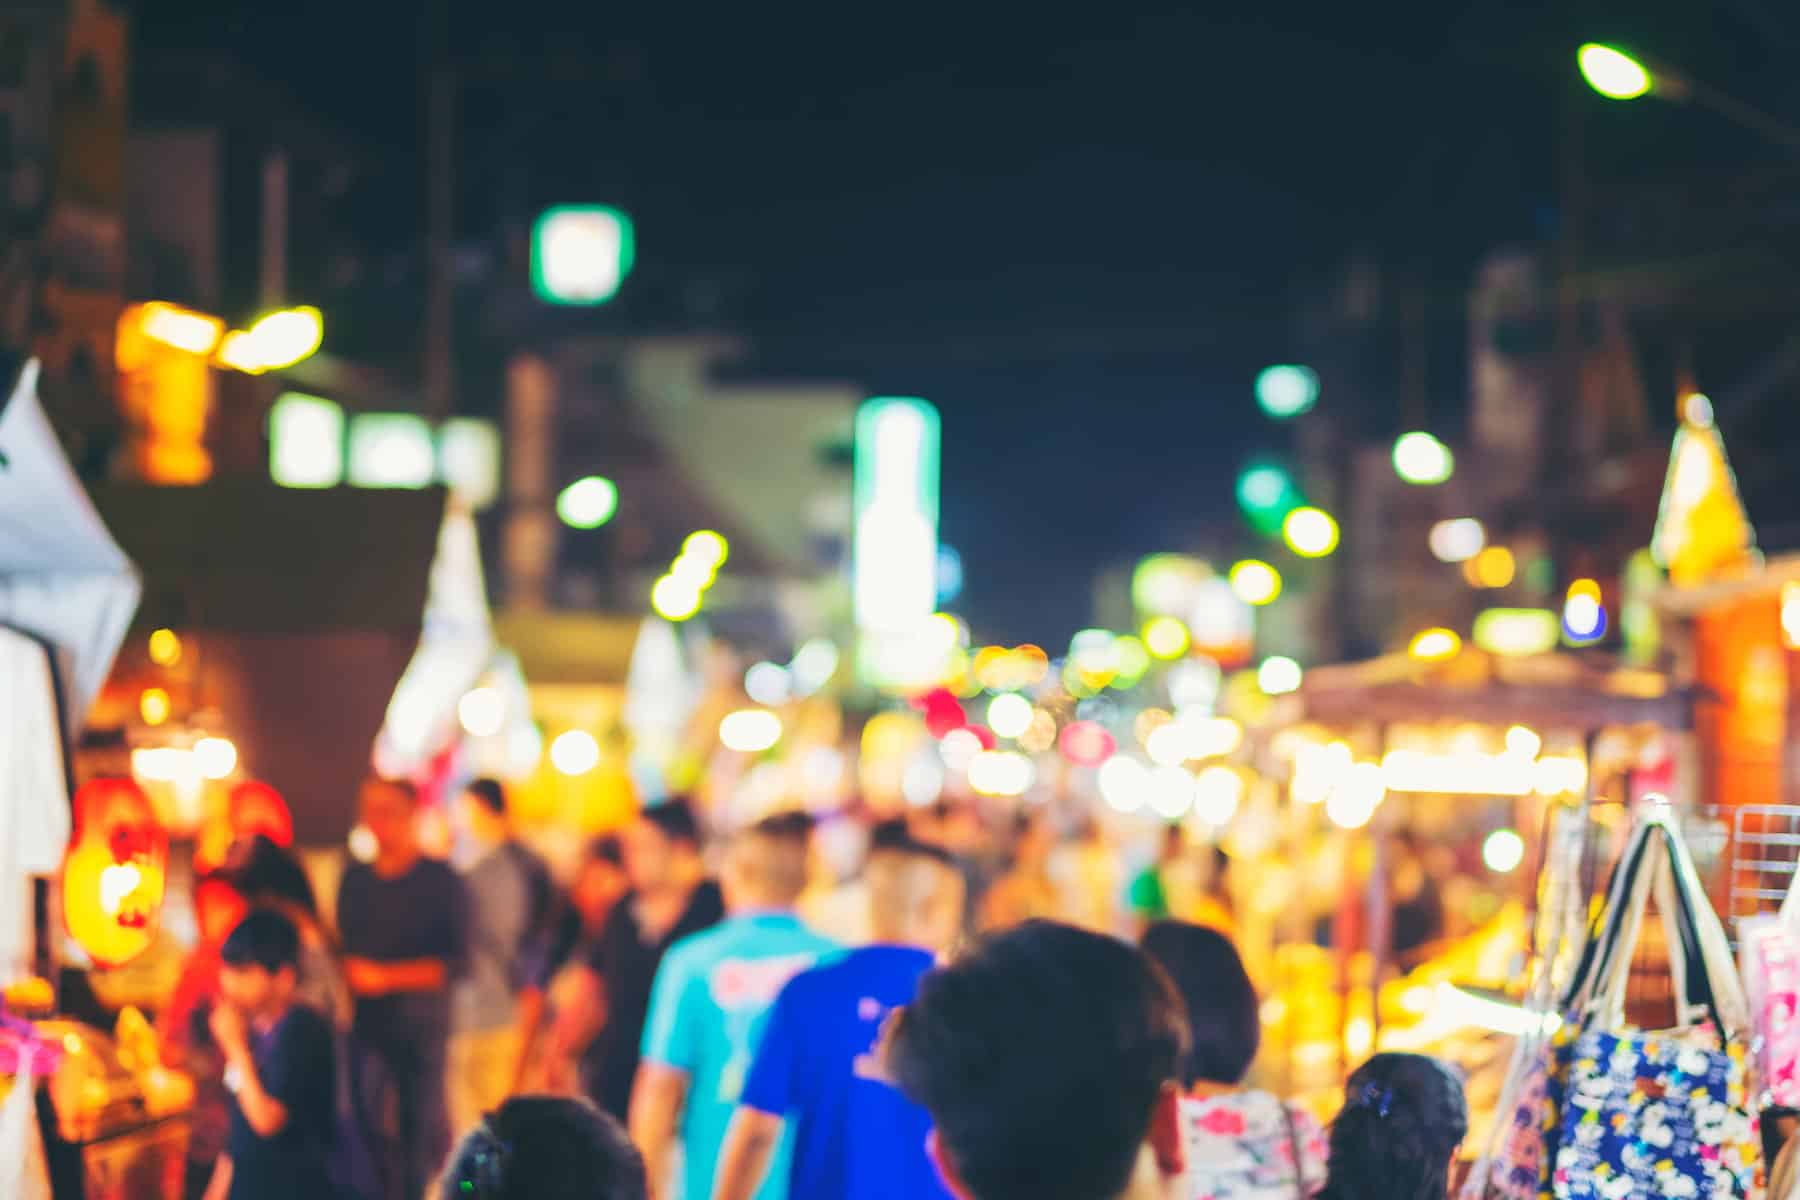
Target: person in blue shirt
{"type": "Point", "coordinates": [710, 1002]}
{"type": "Point", "coordinates": [818, 1075]}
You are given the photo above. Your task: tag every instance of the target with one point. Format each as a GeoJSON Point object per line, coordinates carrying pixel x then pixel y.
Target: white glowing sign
{"type": "Point", "coordinates": [895, 555]}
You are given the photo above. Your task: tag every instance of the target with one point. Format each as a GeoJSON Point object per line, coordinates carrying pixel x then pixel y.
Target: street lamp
{"type": "Point", "coordinates": [1617, 75]}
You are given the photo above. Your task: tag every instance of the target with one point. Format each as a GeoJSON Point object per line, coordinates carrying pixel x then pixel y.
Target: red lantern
{"type": "Point", "coordinates": [115, 871]}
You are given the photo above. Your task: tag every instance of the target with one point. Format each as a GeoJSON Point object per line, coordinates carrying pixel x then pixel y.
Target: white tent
{"type": "Point", "coordinates": [67, 594]}
{"type": "Point", "coordinates": [63, 579]}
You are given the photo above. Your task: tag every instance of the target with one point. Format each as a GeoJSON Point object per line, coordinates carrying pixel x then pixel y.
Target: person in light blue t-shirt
{"type": "Point", "coordinates": [818, 1075]}
{"type": "Point", "coordinates": [710, 1002]}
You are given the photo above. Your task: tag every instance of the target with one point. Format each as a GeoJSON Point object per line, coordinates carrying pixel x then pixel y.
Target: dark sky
{"type": "Point", "coordinates": [1078, 229]}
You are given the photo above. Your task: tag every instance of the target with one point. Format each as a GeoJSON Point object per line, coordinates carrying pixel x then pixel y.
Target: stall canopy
{"type": "Point", "coordinates": [63, 580]}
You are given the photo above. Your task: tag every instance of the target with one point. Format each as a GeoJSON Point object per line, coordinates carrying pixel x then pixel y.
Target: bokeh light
{"type": "Point", "coordinates": [1001, 773]}
{"type": "Point", "coordinates": [1123, 783]}
{"type": "Point", "coordinates": [1457, 540]}
{"type": "Point", "coordinates": [1287, 390]}
{"type": "Point", "coordinates": [675, 599]}
{"type": "Point", "coordinates": [482, 711]}
{"type": "Point", "coordinates": [1218, 790]}
{"type": "Point", "coordinates": [1310, 532]}
{"type": "Point", "coordinates": [154, 706]}
{"type": "Point", "coordinates": [1279, 675]}
{"type": "Point", "coordinates": [1166, 637]}
{"type": "Point", "coordinates": [1435, 645]}
{"type": "Point", "coordinates": [1255, 581]}
{"type": "Point", "coordinates": [165, 648]}
{"type": "Point", "coordinates": [1009, 714]}
{"type": "Point", "coordinates": [1503, 851]}
{"type": "Point", "coordinates": [1493, 568]}
{"type": "Point", "coordinates": [1612, 72]}
{"type": "Point", "coordinates": [1421, 459]}
{"type": "Point", "coordinates": [1087, 743]}
{"type": "Point", "coordinates": [749, 730]}
{"type": "Point", "coordinates": [574, 752]}
{"type": "Point", "coordinates": [588, 503]}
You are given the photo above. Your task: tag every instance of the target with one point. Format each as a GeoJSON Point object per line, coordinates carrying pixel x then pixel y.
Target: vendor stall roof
{"type": "Point", "coordinates": [1551, 691]}
{"type": "Point", "coordinates": [245, 556]}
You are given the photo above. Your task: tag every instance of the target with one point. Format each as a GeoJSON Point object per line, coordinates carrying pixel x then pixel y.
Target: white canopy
{"type": "Point", "coordinates": [63, 579]}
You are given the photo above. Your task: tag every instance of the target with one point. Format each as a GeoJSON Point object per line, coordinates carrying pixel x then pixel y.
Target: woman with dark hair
{"type": "Point", "coordinates": [1404, 1116]}
{"type": "Point", "coordinates": [1242, 1143]}
{"type": "Point", "coordinates": [544, 1148]}
{"type": "Point", "coordinates": [268, 876]}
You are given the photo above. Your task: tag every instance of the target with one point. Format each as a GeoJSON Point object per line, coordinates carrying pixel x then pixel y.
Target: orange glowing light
{"type": "Point", "coordinates": [1493, 568]}
{"type": "Point", "coordinates": [115, 871]}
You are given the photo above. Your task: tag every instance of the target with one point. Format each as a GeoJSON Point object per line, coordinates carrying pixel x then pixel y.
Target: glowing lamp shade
{"type": "Point", "coordinates": [1310, 532]}
{"type": "Point", "coordinates": [1457, 540]}
{"type": "Point", "coordinates": [895, 521]}
{"type": "Point", "coordinates": [114, 873]}
{"type": "Point", "coordinates": [1279, 675]}
{"type": "Point", "coordinates": [750, 730]}
{"type": "Point", "coordinates": [1612, 72]}
{"type": "Point", "coordinates": [306, 442]}
{"type": "Point", "coordinates": [1517, 632]}
{"type": "Point", "coordinates": [1503, 851]}
{"type": "Point", "coordinates": [574, 752]}
{"type": "Point", "coordinates": [391, 450]}
{"type": "Point", "coordinates": [1166, 637]}
{"type": "Point", "coordinates": [1286, 390]}
{"type": "Point", "coordinates": [588, 503]}
{"type": "Point", "coordinates": [1435, 645]}
{"type": "Point", "coordinates": [1255, 582]}
{"type": "Point", "coordinates": [469, 460]}
{"type": "Point", "coordinates": [1009, 715]}
{"type": "Point", "coordinates": [581, 254]}
{"type": "Point", "coordinates": [1422, 460]}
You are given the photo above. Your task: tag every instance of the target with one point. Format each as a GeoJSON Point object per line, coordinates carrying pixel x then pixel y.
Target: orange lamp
{"type": "Point", "coordinates": [115, 871]}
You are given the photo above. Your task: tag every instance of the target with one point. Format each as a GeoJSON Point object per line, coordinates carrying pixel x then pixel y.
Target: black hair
{"type": "Point", "coordinates": [1224, 1016]}
{"type": "Point", "coordinates": [1041, 1057]}
{"type": "Point", "coordinates": [489, 792]}
{"type": "Point", "coordinates": [787, 826]}
{"type": "Point", "coordinates": [263, 939]}
{"type": "Point", "coordinates": [264, 873]}
{"type": "Point", "coordinates": [676, 820]}
{"type": "Point", "coordinates": [545, 1148]}
{"type": "Point", "coordinates": [889, 834]}
{"type": "Point", "coordinates": [1403, 1118]}
{"type": "Point", "coordinates": [606, 848]}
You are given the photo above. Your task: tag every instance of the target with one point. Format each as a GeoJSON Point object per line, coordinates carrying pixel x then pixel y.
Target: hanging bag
{"type": "Point", "coordinates": [1770, 963]}
{"type": "Point", "coordinates": [1663, 1113]}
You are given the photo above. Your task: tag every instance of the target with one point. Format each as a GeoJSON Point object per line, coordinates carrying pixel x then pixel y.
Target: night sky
{"type": "Point", "coordinates": [1078, 230]}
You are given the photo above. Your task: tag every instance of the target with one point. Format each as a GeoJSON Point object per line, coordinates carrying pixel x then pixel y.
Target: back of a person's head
{"type": "Point", "coordinates": [1222, 1010]}
{"type": "Point", "coordinates": [265, 873]}
{"type": "Point", "coordinates": [676, 821]}
{"type": "Point", "coordinates": [490, 794]}
{"type": "Point", "coordinates": [768, 861]}
{"type": "Point", "coordinates": [263, 939]}
{"type": "Point", "coordinates": [1041, 1056]}
{"type": "Point", "coordinates": [1403, 1118]}
{"type": "Point", "coordinates": [915, 891]}
{"type": "Point", "coordinates": [545, 1148]}
{"type": "Point", "coordinates": [605, 848]}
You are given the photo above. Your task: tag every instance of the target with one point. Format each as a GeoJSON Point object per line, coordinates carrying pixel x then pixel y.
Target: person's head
{"type": "Point", "coordinates": [1222, 1011]}
{"type": "Point", "coordinates": [1048, 1059]}
{"type": "Point", "coordinates": [766, 865]}
{"type": "Point", "coordinates": [260, 963]}
{"type": "Point", "coordinates": [1403, 1118]}
{"type": "Point", "coordinates": [483, 811]}
{"type": "Point", "coordinates": [600, 880]}
{"type": "Point", "coordinates": [390, 810]}
{"type": "Point", "coordinates": [545, 1148]}
{"type": "Point", "coordinates": [658, 843]}
{"type": "Point", "coordinates": [264, 873]}
{"type": "Point", "coordinates": [915, 894]}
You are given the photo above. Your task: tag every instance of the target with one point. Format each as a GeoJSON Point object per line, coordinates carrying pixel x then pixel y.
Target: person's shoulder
{"type": "Point", "coordinates": [438, 871]}
{"type": "Point", "coordinates": [306, 1025]}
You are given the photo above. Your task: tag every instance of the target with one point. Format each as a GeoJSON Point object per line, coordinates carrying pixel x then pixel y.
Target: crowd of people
{"type": "Point", "coordinates": [921, 1023]}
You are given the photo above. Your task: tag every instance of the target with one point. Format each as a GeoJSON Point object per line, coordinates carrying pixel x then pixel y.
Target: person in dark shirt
{"type": "Point", "coordinates": [545, 1062]}
{"type": "Point", "coordinates": [278, 1066]}
{"type": "Point", "coordinates": [545, 1148]}
{"type": "Point", "coordinates": [403, 921]}
{"type": "Point", "coordinates": [670, 899]}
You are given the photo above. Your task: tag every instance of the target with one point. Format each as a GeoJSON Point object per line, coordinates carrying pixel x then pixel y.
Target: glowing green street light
{"type": "Point", "coordinates": [1267, 493]}
{"type": "Point", "coordinates": [1286, 390]}
{"type": "Point", "coordinates": [1613, 73]}
{"type": "Point", "coordinates": [588, 503]}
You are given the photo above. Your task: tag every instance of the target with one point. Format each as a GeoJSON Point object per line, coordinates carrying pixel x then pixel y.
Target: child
{"type": "Point", "coordinates": [278, 1064]}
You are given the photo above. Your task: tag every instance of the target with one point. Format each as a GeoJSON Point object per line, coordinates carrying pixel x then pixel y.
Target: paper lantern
{"type": "Point", "coordinates": [115, 871]}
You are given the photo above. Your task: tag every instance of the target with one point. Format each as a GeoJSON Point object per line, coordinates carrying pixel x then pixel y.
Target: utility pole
{"type": "Point", "coordinates": [440, 116]}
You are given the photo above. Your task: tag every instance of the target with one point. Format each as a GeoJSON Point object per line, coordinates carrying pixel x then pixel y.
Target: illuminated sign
{"type": "Point", "coordinates": [391, 450]}
{"type": "Point", "coordinates": [306, 442]}
{"type": "Point", "coordinates": [895, 551]}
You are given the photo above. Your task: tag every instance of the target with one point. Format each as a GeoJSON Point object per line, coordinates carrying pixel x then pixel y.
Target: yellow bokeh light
{"type": "Point", "coordinates": [1166, 637]}
{"type": "Point", "coordinates": [1585, 587]}
{"type": "Point", "coordinates": [154, 706]}
{"type": "Point", "coordinates": [1310, 532]}
{"type": "Point", "coordinates": [1493, 568]}
{"type": "Point", "coordinates": [1435, 645]}
{"type": "Point", "coordinates": [1255, 582]}
{"type": "Point", "coordinates": [706, 547]}
{"type": "Point", "coordinates": [165, 648]}
{"type": "Point", "coordinates": [674, 599]}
